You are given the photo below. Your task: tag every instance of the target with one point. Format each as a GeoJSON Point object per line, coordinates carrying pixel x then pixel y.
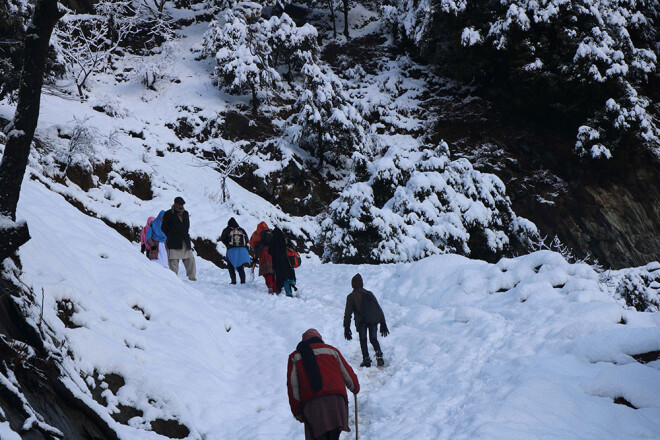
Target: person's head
{"type": "Point", "coordinates": [232, 223]}
{"type": "Point", "coordinates": [356, 282]}
{"type": "Point", "coordinates": [311, 333]}
{"type": "Point", "coordinates": [179, 202]}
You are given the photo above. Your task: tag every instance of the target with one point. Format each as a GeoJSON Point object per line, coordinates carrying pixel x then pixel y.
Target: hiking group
{"type": "Point", "coordinates": [268, 248]}
{"type": "Point", "coordinates": [166, 240]}
{"type": "Point", "coordinates": [318, 374]}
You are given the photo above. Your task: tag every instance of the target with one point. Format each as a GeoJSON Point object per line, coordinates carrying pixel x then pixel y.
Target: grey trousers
{"type": "Point", "coordinates": [185, 254]}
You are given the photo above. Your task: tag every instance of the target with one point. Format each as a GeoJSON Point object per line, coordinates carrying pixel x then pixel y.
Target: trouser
{"type": "Point", "coordinates": [288, 284]}
{"type": "Point", "coordinates": [373, 338]}
{"type": "Point", "coordinates": [232, 274]}
{"type": "Point", "coordinates": [270, 281]}
{"type": "Point", "coordinates": [185, 254]}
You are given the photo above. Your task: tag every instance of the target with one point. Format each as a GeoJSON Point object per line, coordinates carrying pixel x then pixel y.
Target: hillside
{"type": "Point", "coordinates": [365, 150]}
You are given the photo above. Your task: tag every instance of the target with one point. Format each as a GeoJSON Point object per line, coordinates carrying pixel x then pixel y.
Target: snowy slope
{"type": "Point", "coordinates": [529, 348]}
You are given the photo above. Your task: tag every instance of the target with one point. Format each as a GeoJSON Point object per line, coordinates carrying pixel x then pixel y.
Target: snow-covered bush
{"type": "Point", "coordinates": [81, 149]}
{"type": "Point", "coordinates": [84, 44]}
{"type": "Point", "coordinates": [587, 60]}
{"type": "Point", "coordinates": [640, 288]}
{"type": "Point", "coordinates": [111, 106]}
{"type": "Point", "coordinates": [327, 124]}
{"type": "Point", "coordinates": [412, 202]}
{"type": "Point", "coordinates": [155, 68]}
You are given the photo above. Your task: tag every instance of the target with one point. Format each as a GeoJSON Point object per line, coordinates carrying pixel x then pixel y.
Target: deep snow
{"type": "Point", "coordinates": [528, 348]}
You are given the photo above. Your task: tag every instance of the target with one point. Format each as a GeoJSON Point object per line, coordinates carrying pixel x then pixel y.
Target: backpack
{"type": "Point", "coordinates": [266, 236]}
{"type": "Point", "coordinates": [369, 309]}
{"type": "Point", "coordinates": [294, 257]}
{"type": "Point", "coordinates": [237, 238]}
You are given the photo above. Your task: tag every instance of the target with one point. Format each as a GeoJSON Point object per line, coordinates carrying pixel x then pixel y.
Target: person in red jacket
{"type": "Point", "coordinates": [317, 377]}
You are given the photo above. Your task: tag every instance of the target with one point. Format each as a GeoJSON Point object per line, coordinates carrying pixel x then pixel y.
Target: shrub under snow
{"type": "Point", "coordinates": [412, 202]}
{"type": "Point", "coordinates": [641, 288]}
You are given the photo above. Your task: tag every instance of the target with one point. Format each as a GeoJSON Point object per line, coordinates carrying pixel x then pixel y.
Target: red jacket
{"type": "Point", "coordinates": [335, 372]}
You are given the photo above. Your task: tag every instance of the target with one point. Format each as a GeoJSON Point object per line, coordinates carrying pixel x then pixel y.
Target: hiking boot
{"type": "Point", "coordinates": [366, 363]}
{"type": "Point", "coordinates": [233, 282]}
{"type": "Point", "coordinates": [379, 361]}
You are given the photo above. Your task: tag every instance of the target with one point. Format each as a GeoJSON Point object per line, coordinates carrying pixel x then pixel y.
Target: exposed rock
{"type": "Point", "coordinates": [39, 383]}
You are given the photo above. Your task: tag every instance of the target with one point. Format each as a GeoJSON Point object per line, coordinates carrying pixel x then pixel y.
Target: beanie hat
{"type": "Point", "coordinates": [356, 282]}
{"type": "Point", "coordinates": [179, 200]}
{"type": "Point", "coordinates": [311, 333]}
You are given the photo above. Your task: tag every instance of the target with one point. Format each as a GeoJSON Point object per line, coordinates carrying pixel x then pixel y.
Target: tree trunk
{"type": "Point", "coordinates": [331, 6]}
{"type": "Point", "coordinates": [21, 129]}
{"type": "Point", "coordinates": [346, 7]}
{"type": "Point", "coordinates": [255, 101]}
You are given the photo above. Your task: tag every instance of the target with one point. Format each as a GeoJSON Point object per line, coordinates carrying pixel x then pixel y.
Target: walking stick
{"type": "Point", "coordinates": [356, 417]}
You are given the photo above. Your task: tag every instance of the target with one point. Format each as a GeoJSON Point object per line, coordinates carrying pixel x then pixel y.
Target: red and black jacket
{"type": "Point", "coordinates": [337, 375]}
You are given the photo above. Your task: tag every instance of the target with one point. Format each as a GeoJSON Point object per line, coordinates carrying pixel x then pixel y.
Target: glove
{"type": "Point", "coordinates": [142, 248]}
{"type": "Point", "coordinates": [383, 330]}
{"type": "Point", "coordinates": [347, 334]}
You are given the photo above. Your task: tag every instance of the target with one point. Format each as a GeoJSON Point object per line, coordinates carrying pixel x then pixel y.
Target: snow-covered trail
{"type": "Point", "coordinates": [528, 348]}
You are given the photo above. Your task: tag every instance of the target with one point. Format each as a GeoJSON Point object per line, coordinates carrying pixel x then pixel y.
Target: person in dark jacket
{"type": "Point", "coordinates": [176, 226]}
{"type": "Point", "coordinates": [285, 276]}
{"type": "Point", "coordinates": [368, 314]}
{"type": "Point", "coordinates": [316, 379]}
{"type": "Point", "coordinates": [235, 240]}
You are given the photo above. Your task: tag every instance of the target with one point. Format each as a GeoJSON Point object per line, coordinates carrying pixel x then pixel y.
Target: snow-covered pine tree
{"type": "Point", "coordinates": [328, 126]}
{"type": "Point", "coordinates": [411, 202]}
{"type": "Point", "coordinates": [238, 39]}
{"type": "Point", "coordinates": [588, 61]}
{"type": "Point", "coordinates": [292, 46]}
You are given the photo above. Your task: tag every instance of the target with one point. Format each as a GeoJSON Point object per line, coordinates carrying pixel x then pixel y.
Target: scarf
{"type": "Point", "coordinates": [310, 363]}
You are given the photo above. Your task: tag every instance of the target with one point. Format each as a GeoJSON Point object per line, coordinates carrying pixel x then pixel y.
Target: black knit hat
{"type": "Point", "coordinates": [179, 201]}
{"type": "Point", "coordinates": [356, 282]}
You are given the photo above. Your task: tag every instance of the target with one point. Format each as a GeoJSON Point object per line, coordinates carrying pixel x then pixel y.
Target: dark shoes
{"type": "Point", "coordinates": [366, 363]}
{"type": "Point", "coordinates": [380, 362]}
{"type": "Point", "coordinates": [233, 282]}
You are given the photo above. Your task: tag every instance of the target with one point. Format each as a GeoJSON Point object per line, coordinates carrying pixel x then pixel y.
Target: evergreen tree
{"type": "Point", "coordinates": [587, 61]}
{"type": "Point", "coordinates": [410, 202]}
{"type": "Point", "coordinates": [239, 42]}
{"type": "Point", "coordinates": [328, 125]}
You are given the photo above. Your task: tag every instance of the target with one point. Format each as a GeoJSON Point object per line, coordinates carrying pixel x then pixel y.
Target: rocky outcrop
{"type": "Point", "coordinates": [33, 399]}
{"type": "Point", "coordinates": [609, 210]}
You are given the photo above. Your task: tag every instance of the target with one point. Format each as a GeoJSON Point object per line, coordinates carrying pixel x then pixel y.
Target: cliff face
{"type": "Point", "coordinates": [608, 210]}
{"type": "Point", "coordinates": [617, 222]}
